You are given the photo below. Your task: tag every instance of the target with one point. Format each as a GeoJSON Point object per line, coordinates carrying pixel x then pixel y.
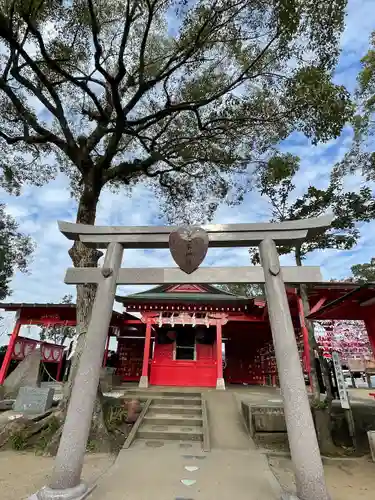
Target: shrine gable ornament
{"type": "Point", "coordinates": [188, 246]}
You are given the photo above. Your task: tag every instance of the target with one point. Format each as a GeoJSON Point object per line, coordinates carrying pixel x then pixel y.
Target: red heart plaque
{"type": "Point", "coordinates": [188, 246]}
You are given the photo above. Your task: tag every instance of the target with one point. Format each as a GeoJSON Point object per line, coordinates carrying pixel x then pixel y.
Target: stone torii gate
{"type": "Point", "coordinates": [65, 483]}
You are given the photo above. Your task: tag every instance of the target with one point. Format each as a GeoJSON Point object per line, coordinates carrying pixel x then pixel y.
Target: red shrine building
{"type": "Point", "coordinates": [198, 335]}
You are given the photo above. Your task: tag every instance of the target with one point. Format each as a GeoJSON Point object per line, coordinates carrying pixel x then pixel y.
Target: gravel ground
{"type": "Point", "coordinates": [22, 474]}
{"type": "Point", "coordinates": [346, 479]}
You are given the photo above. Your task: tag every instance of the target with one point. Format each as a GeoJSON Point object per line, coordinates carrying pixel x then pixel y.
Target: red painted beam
{"type": "Point", "coordinates": [318, 305]}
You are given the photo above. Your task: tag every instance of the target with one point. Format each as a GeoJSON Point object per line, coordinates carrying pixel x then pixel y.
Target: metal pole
{"type": "Point", "coordinates": [69, 459]}
{"type": "Point", "coordinates": [305, 335]}
{"type": "Point", "coordinates": [308, 467]}
{"type": "Point", "coordinates": [105, 357]}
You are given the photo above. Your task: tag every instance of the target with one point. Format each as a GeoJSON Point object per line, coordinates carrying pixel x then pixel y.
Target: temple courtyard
{"type": "Point", "coordinates": [23, 473]}
{"type": "Point", "coordinates": [236, 465]}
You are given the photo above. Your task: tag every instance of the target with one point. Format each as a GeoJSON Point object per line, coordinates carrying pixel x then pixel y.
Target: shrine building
{"type": "Point", "coordinates": [197, 335]}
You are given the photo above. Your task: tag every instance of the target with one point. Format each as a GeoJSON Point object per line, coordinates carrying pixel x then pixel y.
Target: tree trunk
{"type": "Point", "coordinates": [322, 409]}
{"type": "Point", "coordinates": [83, 256]}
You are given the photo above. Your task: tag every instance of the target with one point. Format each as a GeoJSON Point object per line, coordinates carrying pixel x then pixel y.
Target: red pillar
{"type": "Point", "coordinates": [220, 384]}
{"type": "Point", "coordinates": [143, 383]}
{"type": "Point", "coordinates": [105, 357]}
{"type": "Point", "coordinates": [305, 334]}
{"type": "Point", "coordinates": [59, 367]}
{"type": "Point", "coordinates": [8, 354]}
{"type": "Point", "coordinates": [370, 327]}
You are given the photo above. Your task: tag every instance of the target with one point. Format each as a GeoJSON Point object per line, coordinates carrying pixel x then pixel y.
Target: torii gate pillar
{"type": "Point", "coordinates": [65, 482]}
{"type": "Point", "coordinates": [302, 438]}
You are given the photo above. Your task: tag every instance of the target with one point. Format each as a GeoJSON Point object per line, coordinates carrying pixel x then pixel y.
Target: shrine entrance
{"type": "Point", "coordinates": [184, 340]}
{"type": "Point", "coordinates": [184, 356]}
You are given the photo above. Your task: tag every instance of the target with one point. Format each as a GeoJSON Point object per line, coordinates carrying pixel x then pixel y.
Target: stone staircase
{"type": "Point", "coordinates": [171, 416]}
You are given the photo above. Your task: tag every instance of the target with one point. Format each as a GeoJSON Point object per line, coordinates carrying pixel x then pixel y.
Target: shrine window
{"type": "Point", "coordinates": [185, 344]}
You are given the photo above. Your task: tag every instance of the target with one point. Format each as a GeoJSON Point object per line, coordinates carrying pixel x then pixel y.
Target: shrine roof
{"type": "Point", "coordinates": [65, 311]}
{"type": "Point", "coordinates": [183, 293]}
{"type": "Point", "coordinates": [352, 304]}
{"type": "Point", "coordinates": [14, 306]}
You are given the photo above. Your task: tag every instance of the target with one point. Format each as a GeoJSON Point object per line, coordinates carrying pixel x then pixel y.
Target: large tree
{"type": "Point", "coordinates": [361, 156]}
{"type": "Point", "coordinates": [15, 251]}
{"type": "Point", "coordinates": [177, 94]}
{"type": "Point", "coordinates": [364, 273]}
{"type": "Point", "coordinates": [275, 181]}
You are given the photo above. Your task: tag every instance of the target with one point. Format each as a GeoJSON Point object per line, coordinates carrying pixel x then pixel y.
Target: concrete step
{"type": "Point", "coordinates": [165, 400]}
{"type": "Point", "coordinates": [152, 393]}
{"type": "Point", "coordinates": [156, 445]}
{"type": "Point", "coordinates": [172, 401]}
{"type": "Point", "coordinates": [168, 419]}
{"type": "Point", "coordinates": [170, 432]}
{"type": "Point", "coordinates": [175, 410]}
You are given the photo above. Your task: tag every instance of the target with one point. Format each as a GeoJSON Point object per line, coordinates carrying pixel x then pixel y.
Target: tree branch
{"type": "Point", "coordinates": [24, 138]}
{"type": "Point", "coordinates": [52, 64]}
{"type": "Point", "coordinates": [17, 49]}
{"type": "Point", "coordinates": [194, 105]}
{"type": "Point", "coordinates": [129, 17]}
{"type": "Point", "coordinates": [31, 121]}
{"type": "Point", "coordinates": [126, 170]}
{"type": "Point", "coordinates": [98, 48]}
{"type": "Point", "coordinates": [151, 11]}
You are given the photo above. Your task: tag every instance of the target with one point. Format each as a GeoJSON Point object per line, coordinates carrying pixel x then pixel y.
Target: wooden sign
{"type": "Point", "coordinates": [344, 400]}
{"type": "Point", "coordinates": [356, 365]}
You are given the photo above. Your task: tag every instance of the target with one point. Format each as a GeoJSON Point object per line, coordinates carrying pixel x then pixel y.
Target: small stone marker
{"type": "Point", "coordinates": [34, 399]}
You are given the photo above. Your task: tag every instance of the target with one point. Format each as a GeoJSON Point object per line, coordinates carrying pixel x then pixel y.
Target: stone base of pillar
{"type": "Point", "coordinates": [220, 384]}
{"type": "Point", "coordinates": [143, 382]}
{"type": "Point", "coordinates": [77, 493]}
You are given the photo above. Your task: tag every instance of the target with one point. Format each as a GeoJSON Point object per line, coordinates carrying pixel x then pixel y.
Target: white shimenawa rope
{"type": "Point", "coordinates": [48, 373]}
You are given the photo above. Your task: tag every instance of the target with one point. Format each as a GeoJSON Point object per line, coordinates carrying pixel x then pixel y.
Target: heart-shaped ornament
{"type": "Point", "coordinates": [188, 246]}
{"type": "Point", "coordinates": [188, 482]}
{"type": "Point", "coordinates": [191, 468]}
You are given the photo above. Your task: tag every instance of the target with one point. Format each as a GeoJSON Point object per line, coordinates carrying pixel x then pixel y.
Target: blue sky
{"type": "Point", "coordinates": [38, 209]}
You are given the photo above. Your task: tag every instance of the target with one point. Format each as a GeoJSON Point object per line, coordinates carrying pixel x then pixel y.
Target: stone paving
{"type": "Point", "coordinates": [174, 470]}
{"type": "Point", "coordinates": [181, 471]}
